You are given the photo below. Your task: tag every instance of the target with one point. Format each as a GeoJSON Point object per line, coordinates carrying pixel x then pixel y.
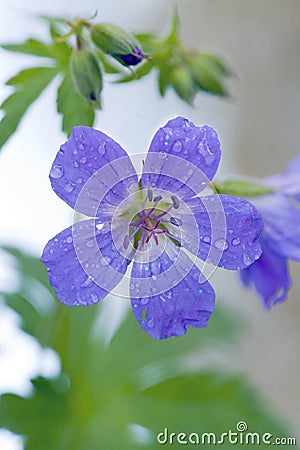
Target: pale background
{"type": "Point", "coordinates": [258, 127]}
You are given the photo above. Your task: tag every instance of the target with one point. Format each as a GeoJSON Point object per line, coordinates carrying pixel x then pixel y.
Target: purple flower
{"type": "Point", "coordinates": [280, 239]}
{"type": "Point", "coordinates": [151, 222]}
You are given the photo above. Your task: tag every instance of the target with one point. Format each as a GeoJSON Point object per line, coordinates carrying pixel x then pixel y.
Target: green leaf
{"type": "Point", "coordinates": [108, 67]}
{"type": "Point", "coordinates": [242, 188]}
{"type": "Point", "coordinates": [174, 34]}
{"type": "Point", "coordinates": [140, 72]}
{"type": "Point", "coordinates": [163, 79]}
{"type": "Point", "coordinates": [28, 85]}
{"type": "Point", "coordinates": [73, 107]}
{"type": "Point", "coordinates": [59, 51]}
{"type": "Point", "coordinates": [204, 402]}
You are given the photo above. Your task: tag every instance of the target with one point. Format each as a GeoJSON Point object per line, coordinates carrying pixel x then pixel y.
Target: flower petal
{"type": "Point", "coordinates": [182, 158]}
{"type": "Point", "coordinates": [170, 305]}
{"type": "Point", "coordinates": [93, 157]}
{"type": "Point", "coordinates": [281, 217]}
{"type": "Point", "coordinates": [286, 183]}
{"type": "Point", "coordinates": [83, 263]}
{"type": "Point", "coordinates": [269, 276]}
{"type": "Point", "coordinates": [228, 231]}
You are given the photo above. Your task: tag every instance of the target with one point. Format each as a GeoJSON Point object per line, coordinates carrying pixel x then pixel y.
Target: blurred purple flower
{"type": "Point", "coordinates": [148, 222]}
{"type": "Point", "coordinates": [280, 239]}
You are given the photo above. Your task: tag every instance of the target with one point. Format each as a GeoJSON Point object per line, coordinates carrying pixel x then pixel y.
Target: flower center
{"type": "Point", "coordinates": [151, 221]}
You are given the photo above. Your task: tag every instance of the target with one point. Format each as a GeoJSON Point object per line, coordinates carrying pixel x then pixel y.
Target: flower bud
{"type": "Point", "coordinates": [116, 42]}
{"type": "Point", "coordinates": [206, 74]}
{"type": "Point", "coordinates": [86, 76]}
{"type": "Point", "coordinates": [183, 83]}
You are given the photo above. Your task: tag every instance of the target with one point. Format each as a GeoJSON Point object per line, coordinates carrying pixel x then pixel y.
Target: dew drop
{"type": "Point", "coordinates": [87, 282]}
{"type": "Point", "coordinates": [236, 241]}
{"type": "Point", "coordinates": [221, 244]}
{"type": "Point", "coordinates": [69, 240]}
{"type": "Point", "coordinates": [144, 301]}
{"type": "Point", "coordinates": [69, 187]}
{"type": "Point", "coordinates": [79, 180]}
{"type": "Point", "coordinates": [206, 239]}
{"type": "Point", "coordinates": [89, 243]}
{"type": "Point", "coordinates": [101, 148]}
{"type": "Point", "coordinates": [190, 172]}
{"type": "Point", "coordinates": [57, 172]}
{"type": "Point", "coordinates": [76, 164]}
{"type": "Point", "coordinates": [150, 323]}
{"type": "Point", "coordinates": [105, 261]}
{"type": "Point", "coordinates": [83, 160]}
{"type": "Point", "coordinates": [230, 231]}
{"type": "Point", "coordinates": [162, 155]}
{"type": "Point", "coordinates": [246, 259]}
{"type": "Point", "coordinates": [94, 297]}
{"type": "Point", "coordinates": [177, 147]}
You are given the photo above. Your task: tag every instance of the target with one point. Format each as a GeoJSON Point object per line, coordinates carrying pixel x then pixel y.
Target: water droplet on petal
{"type": "Point", "coordinates": [246, 259]}
{"type": "Point", "coordinates": [89, 243]}
{"type": "Point", "coordinates": [83, 160]}
{"type": "Point", "coordinates": [94, 297]}
{"type": "Point", "coordinates": [206, 239]}
{"type": "Point", "coordinates": [57, 171]}
{"type": "Point", "coordinates": [236, 241]}
{"type": "Point", "coordinates": [150, 323]}
{"type": "Point", "coordinates": [230, 231]}
{"type": "Point", "coordinates": [87, 282]}
{"type": "Point", "coordinates": [69, 240]}
{"type": "Point", "coordinates": [101, 148]}
{"type": "Point", "coordinates": [104, 261]}
{"type": "Point", "coordinates": [76, 164]}
{"type": "Point", "coordinates": [221, 244]}
{"type": "Point", "coordinates": [69, 187]}
{"type": "Point", "coordinates": [144, 301]}
{"type": "Point", "coordinates": [177, 147]}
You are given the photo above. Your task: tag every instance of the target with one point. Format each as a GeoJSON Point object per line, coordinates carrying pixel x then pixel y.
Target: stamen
{"type": "Point", "coordinates": [176, 222]}
{"type": "Point", "coordinates": [175, 201]}
{"type": "Point", "coordinates": [150, 195]}
{"type": "Point", "coordinates": [157, 199]}
{"type": "Point", "coordinates": [141, 241]}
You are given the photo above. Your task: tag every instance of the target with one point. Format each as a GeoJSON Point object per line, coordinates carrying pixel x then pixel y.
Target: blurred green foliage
{"type": "Point", "coordinates": [121, 395]}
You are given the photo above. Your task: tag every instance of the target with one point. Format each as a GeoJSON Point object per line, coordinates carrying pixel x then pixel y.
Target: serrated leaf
{"type": "Point", "coordinates": [28, 85]}
{"type": "Point", "coordinates": [59, 51]}
{"type": "Point", "coordinates": [73, 107]}
{"type": "Point", "coordinates": [56, 25]}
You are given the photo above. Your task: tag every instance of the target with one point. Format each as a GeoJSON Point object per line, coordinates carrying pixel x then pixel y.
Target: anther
{"type": "Point", "coordinates": [157, 198]}
{"type": "Point", "coordinates": [175, 201]}
{"type": "Point", "coordinates": [176, 222]}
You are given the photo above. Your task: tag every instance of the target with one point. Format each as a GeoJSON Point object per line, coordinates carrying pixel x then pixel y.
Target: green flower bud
{"type": "Point", "coordinates": [87, 76]}
{"type": "Point", "coordinates": [183, 82]}
{"type": "Point", "coordinates": [116, 42]}
{"type": "Point", "coordinates": [242, 188]}
{"type": "Point", "coordinates": [206, 74]}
